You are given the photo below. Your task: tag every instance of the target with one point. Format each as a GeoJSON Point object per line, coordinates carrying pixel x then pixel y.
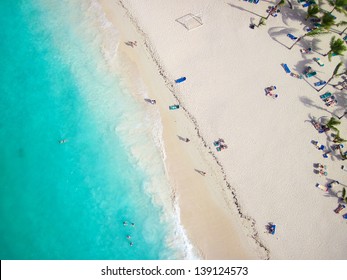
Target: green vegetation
{"type": "Point", "coordinates": [344, 195]}
{"type": "Point", "coordinates": [337, 47]}
{"type": "Point", "coordinates": [339, 5]}
{"type": "Point", "coordinates": [312, 12]}
{"type": "Point", "coordinates": [312, 33]}
{"type": "Point", "coordinates": [332, 123]}
{"type": "Point", "coordinates": [328, 20]}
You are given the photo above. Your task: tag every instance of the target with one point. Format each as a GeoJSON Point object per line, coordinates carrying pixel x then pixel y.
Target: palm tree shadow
{"type": "Point", "coordinates": [341, 98]}
{"type": "Point", "coordinates": [309, 103]}
{"type": "Point", "coordinates": [245, 10]}
{"type": "Point", "coordinates": [275, 32]}
{"type": "Point", "coordinates": [292, 14]}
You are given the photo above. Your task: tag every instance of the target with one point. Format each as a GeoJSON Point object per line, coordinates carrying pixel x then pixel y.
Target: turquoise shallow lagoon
{"type": "Point", "coordinates": [69, 201]}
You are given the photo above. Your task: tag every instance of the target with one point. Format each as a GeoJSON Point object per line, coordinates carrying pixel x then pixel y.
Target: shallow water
{"type": "Point", "coordinates": [69, 201]}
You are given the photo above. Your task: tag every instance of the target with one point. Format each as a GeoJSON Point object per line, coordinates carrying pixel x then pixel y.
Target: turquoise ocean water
{"type": "Point", "coordinates": [69, 201]}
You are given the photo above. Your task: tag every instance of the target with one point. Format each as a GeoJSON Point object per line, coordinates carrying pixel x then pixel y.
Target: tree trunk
{"type": "Point", "coordinates": [343, 31]}
{"type": "Point", "coordinates": [327, 53]}
{"type": "Point", "coordinates": [298, 40]}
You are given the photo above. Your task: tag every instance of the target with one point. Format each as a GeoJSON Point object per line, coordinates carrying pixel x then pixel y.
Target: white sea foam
{"type": "Point", "coordinates": [141, 130]}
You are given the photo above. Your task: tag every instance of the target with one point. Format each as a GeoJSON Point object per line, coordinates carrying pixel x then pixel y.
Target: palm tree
{"type": "Point", "coordinates": [337, 47]}
{"type": "Point", "coordinates": [328, 20]}
{"type": "Point", "coordinates": [342, 23]}
{"type": "Point", "coordinates": [339, 5]}
{"type": "Point", "coordinates": [314, 32]}
{"type": "Point", "coordinates": [338, 138]}
{"type": "Point", "coordinates": [262, 21]}
{"type": "Point", "coordinates": [312, 12]}
{"type": "Point", "coordinates": [335, 74]}
{"type": "Point", "coordinates": [332, 123]}
{"type": "Point", "coordinates": [344, 195]}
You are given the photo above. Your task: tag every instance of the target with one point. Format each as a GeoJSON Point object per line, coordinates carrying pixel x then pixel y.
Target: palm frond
{"type": "Point", "coordinates": [336, 70]}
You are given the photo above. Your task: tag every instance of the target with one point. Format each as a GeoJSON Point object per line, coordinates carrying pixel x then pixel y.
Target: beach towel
{"type": "Point", "coordinates": [286, 68]}
{"type": "Point", "coordinates": [291, 36]}
{"type": "Point", "coordinates": [174, 107]}
{"type": "Point", "coordinates": [180, 80]}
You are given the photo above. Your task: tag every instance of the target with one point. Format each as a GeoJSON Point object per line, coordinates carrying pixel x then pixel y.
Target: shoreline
{"type": "Point", "coordinates": [198, 201]}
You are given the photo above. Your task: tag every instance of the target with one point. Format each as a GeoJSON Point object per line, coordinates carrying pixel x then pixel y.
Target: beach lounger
{"type": "Point", "coordinates": [344, 216]}
{"type": "Point", "coordinates": [311, 74]}
{"type": "Point", "coordinates": [273, 229]}
{"type": "Point", "coordinates": [323, 188]}
{"type": "Point", "coordinates": [286, 68]}
{"type": "Point", "coordinates": [180, 80]}
{"type": "Point", "coordinates": [317, 59]}
{"type": "Point", "coordinates": [291, 36]}
{"type": "Point", "coordinates": [345, 38]}
{"type": "Point", "coordinates": [174, 107]}
{"type": "Point", "coordinates": [325, 95]}
{"type": "Point", "coordinates": [320, 83]}
{"type": "Point", "coordinates": [339, 208]}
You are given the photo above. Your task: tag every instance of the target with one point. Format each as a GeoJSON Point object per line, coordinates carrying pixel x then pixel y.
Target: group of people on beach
{"type": "Point", "coordinates": [269, 91]}
{"type": "Point", "coordinates": [131, 43]}
{"type": "Point", "coordinates": [220, 144]}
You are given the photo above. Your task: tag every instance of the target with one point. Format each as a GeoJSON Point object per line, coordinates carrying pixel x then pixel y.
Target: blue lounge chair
{"type": "Point", "coordinates": [320, 83]}
{"type": "Point", "coordinates": [174, 107]}
{"type": "Point", "coordinates": [273, 229]}
{"type": "Point", "coordinates": [180, 80]}
{"type": "Point", "coordinates": [286, 68]}
{"type": "Point", "coordinates": [291, 36]}
{"type": "Point", "coordinates": [309, 3]}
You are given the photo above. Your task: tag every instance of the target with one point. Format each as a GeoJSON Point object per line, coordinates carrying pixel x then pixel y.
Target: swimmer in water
{"type": "Point", "coordinates": [125, 223]}
{"type": "Point", "coordinates": [131, 244]}
{"type": "Point", "coordinates": [62, 141]}
{"type": "Point", "coordinates": [128, 236]}
{"type": "Point", "coordinates": [133, 224]}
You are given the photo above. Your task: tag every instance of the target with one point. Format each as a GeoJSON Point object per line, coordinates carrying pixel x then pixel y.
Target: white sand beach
{"type": "Point", "coordinates": [267, 172]}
